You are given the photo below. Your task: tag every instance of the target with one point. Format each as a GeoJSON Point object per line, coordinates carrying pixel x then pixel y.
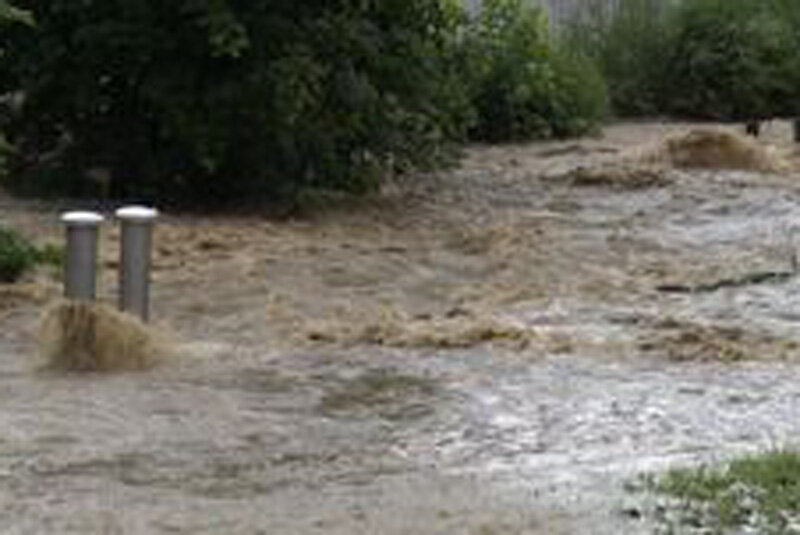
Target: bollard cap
{"type": "Point", "coordinates": [140, 214]}
{"type": "Point", "coordinates": [79, 219]}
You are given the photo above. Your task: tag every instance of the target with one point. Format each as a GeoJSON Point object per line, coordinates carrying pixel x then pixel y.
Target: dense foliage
{"type": "Point", "coordinates": [225, 100]}
{"type": "Point", "coordinates": [522, 85]}
{"type": "Point", "coordinates": [710, 59]}
{"type": "Point", "coordinates": [730, 59]}
{"type": "Point", "coordinates": [17, 255]}
{"type": "Point", "coordinates": [215, 101]}
{"type": "Point", "coordinates": [627, 44]}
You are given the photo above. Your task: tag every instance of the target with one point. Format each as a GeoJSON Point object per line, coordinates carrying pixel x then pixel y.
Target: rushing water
{"type": "Point", "coordinates": [393, 429]}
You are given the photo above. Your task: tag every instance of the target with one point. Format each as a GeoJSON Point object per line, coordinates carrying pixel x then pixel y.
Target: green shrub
{"type": "Point", "coordinates": [17, 255]}
{"type": "Point", "coordinates": [787, 13]}
{"type": "Point", "coordinates": [522, 88]}
{"type": "Point", "coordinates": [224, 101]}
{"type": "Point", "coordinates": [627, 45]}
{"type": "Point", "coordinates": [756, 493]}
{"type": "Point", "coordinates": [707, 59]}
{"type": "Point", "coordinates": [729, 60]}
{"type": "Point", "coordinates": [51, 255]}
{"type": "Point", "coordinates": [231, 101]}
{"type": "Point", "coordinates": [578, 104]}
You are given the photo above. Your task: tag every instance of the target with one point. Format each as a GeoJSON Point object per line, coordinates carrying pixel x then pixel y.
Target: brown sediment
{"type": "Point", "coordinates": [79, 336]}
{"type": "Point", "coordinates": [717, 149]}
{"type": "Point", "coordinates": [683, 341]}
{"type": "Point", "coordinates": [12, 295]}
{"type": "Point", "coordinates": [393, 329]}
{"type": "Point", "coordinates": [618, 176]}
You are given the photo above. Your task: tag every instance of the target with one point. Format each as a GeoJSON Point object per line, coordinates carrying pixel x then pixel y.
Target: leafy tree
{"type": "Point", "coordinates": [219, 101]}
{"type": "Point", "coordinates": [17, 255]}
{"type": "Point", "coordinates": [627, 43]}
{"type": "Point", "coordinates": [522, 85]}
{"type": "Point", "coordinates": [223, 100]}
{"type": "Point", "coordinates": [709, 59]}
{"type": "Point", "coordinates": [729, 60]}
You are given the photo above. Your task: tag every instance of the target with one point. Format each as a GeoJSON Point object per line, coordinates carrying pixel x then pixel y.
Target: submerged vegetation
{"type": "Point", "coordinates": [17, 255]}
{"type": "Point", "coordinates": [758, 493]}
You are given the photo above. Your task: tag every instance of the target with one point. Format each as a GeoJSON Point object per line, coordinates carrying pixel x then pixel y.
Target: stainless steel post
{"type": "Point", "coordinates": [80, 277]}
{"type": "Point", "coordinates": [134, 276]}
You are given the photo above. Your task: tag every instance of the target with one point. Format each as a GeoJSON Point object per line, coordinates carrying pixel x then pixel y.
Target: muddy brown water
{"type": "Point", "coordinates": [482, 351]}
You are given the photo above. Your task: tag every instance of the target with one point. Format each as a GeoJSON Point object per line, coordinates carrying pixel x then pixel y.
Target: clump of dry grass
{"type": "Point", "coordinates": [455, 333]}
{"type": "Point", "coordinates": [690, 342]}
{"type": "Point", "coordinates": [86, 337]}
{"type": "Point", "coordinates": [482, 240]}
{"type": "Point", "coordinates": [392, 330]}
{"type": "Point", "coordinates": [12, 295]}
{"type": "Point", "coordinates": [717, 149]}
{"type": "Point", "coordinates": [615, 176]}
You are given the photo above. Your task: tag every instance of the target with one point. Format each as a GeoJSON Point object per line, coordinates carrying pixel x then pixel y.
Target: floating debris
{"type": "Point", "coordinates": [717, 149]}
{"type": "Point", "coordinates": [87, 337]}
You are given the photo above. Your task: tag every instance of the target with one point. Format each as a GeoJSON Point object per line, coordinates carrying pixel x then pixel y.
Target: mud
{"type": "Point", "coordinates": [483, 350]}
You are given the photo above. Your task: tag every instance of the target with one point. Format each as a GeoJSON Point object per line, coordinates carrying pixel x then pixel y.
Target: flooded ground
{"type": "Point", "coordinates": [495, 349]}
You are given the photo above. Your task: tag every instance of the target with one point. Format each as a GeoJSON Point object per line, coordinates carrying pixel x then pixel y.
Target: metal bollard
{"type": "Point", "coordinates": [134, 276]}
{"type": "Point", "coordinates": [80, 277]}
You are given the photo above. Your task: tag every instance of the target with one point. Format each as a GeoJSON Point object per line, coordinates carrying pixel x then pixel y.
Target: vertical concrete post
{"type": "Point", "coordinates": [80, 277]}
{"type": "Point", "coordinates": [134, 276]}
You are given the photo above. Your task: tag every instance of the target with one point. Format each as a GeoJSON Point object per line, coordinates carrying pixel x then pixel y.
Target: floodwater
{"type": "Point", "coordinates": [495, 349]}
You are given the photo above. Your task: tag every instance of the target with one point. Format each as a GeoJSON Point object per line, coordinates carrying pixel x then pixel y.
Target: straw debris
{"type": "Point", "coordinates": [717, 149]}
{"type": "Point", "coordinates": [625, 177]}
{"type": "Point", "coordinates": [690, 342]}
{"type": "Point", "coordinates": [80, 336]}
{"type": "Point", "coordinates": [445, 333]}
{"type": "Point", "coordinates": [13, 295]}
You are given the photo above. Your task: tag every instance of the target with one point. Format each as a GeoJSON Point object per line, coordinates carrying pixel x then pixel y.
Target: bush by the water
{"type": "Point", "coordinates": [626, 44]}
{"type": "Point", "coordinates": [17, 255]}
{"type": "Point", "coordinates": [214, 102]}
{"type": "Point", "coordinates": [521, 84]}
{"type": "Point", "coordinates": [708, 59]}
{"type": "Point", "coordinates": [754, 493]}
{"type": "Point", "coordinates": [730, 59]}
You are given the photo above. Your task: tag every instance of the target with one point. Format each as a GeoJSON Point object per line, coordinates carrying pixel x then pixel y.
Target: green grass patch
{"type": "Point", "coordinates": [51, 255]}
{"type": "Point", "coordinates": [17, 255]}
{"type": "Point", "coordinates": [758, 493]}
